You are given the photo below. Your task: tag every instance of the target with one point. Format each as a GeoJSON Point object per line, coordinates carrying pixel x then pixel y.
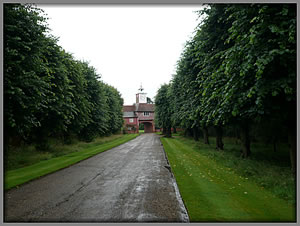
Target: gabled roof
{"type": "Point", "coordinates": [128, 108]}
{"type": "Point", "coordinates": [145, 107]}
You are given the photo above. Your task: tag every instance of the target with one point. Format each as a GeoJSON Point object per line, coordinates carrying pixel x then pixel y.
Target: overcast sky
{"type": "Point", "coordinates": [128, 45]}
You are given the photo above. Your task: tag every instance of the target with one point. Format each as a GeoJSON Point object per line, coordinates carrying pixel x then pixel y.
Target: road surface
{"type": "Point", "coordinates": [129, 183]}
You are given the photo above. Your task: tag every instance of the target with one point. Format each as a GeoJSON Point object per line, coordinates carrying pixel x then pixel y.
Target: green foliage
{"type": "Point", "coordinates": [141, 126]}
{"type": "Point", "coordinates": [265, 75]}
{"type": "Point", "coordinates": [25, 85]}
{"type": "Point", "coordinates": [47, 93]}
{"type": "Point", "coordinates": [95, 90]}
{"type": "Point", "coordinates": [238, 64]}
{"type": "Point", "coordinates": [163, 111]}
{"type": "Point", "coordinates": [115, 103]}
{"type": "Point", "coordinates": [239, 69]}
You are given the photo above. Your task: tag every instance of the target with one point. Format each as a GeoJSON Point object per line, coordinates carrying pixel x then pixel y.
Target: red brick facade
{"type": "Point", "coordinates": [138, 113]}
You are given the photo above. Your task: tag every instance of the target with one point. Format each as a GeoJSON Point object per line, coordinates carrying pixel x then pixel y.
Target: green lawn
{"type": "Point", "coordinates": [213, 192]}
{"type": "Point", "coordinates": [21, 175]}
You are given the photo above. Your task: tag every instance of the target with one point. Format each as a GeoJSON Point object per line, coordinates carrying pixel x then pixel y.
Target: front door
{"type": "Point", "coordinates": [148, 127]}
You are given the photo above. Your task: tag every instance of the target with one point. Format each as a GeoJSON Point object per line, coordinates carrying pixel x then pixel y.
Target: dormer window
{"type": "Point", "coordinates": [146, 113]}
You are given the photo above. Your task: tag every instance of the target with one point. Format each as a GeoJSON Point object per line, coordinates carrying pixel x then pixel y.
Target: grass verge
{"type": "Point", "coordinates": [13, 178]}
{"type": "Point", "coordinates": [214, 192]}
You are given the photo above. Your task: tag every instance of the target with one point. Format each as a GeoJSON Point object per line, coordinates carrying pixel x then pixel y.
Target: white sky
{"type": "Point", "coordinates": [128, 45]}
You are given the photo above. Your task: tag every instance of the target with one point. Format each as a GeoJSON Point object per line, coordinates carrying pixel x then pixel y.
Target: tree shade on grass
{"type": "Point", "coordinates": [214, 193]}
{"type": "Point", "coordinates": [25, 174]}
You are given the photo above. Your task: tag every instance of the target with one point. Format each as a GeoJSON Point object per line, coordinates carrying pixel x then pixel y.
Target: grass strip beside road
{"type": "Point", "coordinates": [214, 193]}
{"type": "Point", "coordinates": [19, 176]}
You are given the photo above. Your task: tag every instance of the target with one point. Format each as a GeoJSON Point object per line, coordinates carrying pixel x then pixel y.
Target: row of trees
{"type": "Point", "coordinates": [238, 71]}
{"type": "Point", "coordinates": [47, 93]}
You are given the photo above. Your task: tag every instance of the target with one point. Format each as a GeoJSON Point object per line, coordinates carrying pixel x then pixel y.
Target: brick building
{"type": "Point", "coordinates": [140, 112]}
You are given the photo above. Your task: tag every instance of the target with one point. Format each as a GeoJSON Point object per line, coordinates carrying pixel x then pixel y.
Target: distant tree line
{"type": "Point", "coordinates": [47, 93]}
{"type": "Point", "coordinates": [237, 74]}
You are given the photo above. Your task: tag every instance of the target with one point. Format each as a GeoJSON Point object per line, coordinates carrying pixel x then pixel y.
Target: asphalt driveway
{"type": "Point", "coordinates": [129, 183]}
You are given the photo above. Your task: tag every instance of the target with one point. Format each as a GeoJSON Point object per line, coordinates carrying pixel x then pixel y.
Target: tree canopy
{"type": "Point", "coordinates": [239, 69]}
{"type": "Point", "coordinates": [47, 93]}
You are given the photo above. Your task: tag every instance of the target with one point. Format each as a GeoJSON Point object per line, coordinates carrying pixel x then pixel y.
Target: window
{"type": "Point", "coordinates": [131, 120]}
{"type": "Point", "coordinates": [146, 113]}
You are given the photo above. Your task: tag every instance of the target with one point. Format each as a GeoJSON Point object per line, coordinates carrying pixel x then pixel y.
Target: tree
{"type": "Point", "coordinates": [115, 106]}
{"type": "Point", "coordinates": [95, 90]}
{"type": "Point", "coordinates": [47, 93]}
{"type": "Point", "coordinates": [183, 89]}
{"type": "Point", "coordinates": [163, 111]}
{"type": "Point", "coordinates": [269, 67]}
{"type": "Point", "coordinates": [61, 109]}
{"type": "Point", "coordinates": [79, 97]}
{"type": "Point", "coordinates": [239, 87]}
{"type": "Point", "coordinates": [210, 45]}
{"type": "Point", "coordinates": [25, 86]}
{"type": "Point", "coordinates": [239, 69]}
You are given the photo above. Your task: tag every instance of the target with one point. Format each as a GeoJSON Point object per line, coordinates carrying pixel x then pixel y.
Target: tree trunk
{"type": "Point", "coordinates": [164, 132]}
{"type": "Point", "coordinates": [195, 133]}
{"type": "Point", "coordinates": [205, 135]}
{"type": "Point", "coordinates": [169, 133]}
{"type": "Point", "coordinates": [274, 143]}
{"type": "Point", "coordinates": [237, 135]}
{"type": "Point", "coordinates": [245, 138]}
{"type": "Point", "coordinates": [188, 132]}
{"type": "Point", "coordinates": [219, 142]}
{"type": "Point", "coordinates": [293, 146]}
{"type": "Point", "coordinates": [174, 130]}
{"type": "Point", "coordinates": [6, 140]}
{"type": "Point", "coordinates": [42, 143]}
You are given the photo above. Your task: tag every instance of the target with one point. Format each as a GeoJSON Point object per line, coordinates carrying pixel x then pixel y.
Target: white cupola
{"type": "Point", "coordinates": [141, 97]}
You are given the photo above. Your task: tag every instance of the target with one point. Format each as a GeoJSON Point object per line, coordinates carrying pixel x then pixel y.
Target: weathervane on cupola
{"type": "Point", "coordinates": [141, 88]}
